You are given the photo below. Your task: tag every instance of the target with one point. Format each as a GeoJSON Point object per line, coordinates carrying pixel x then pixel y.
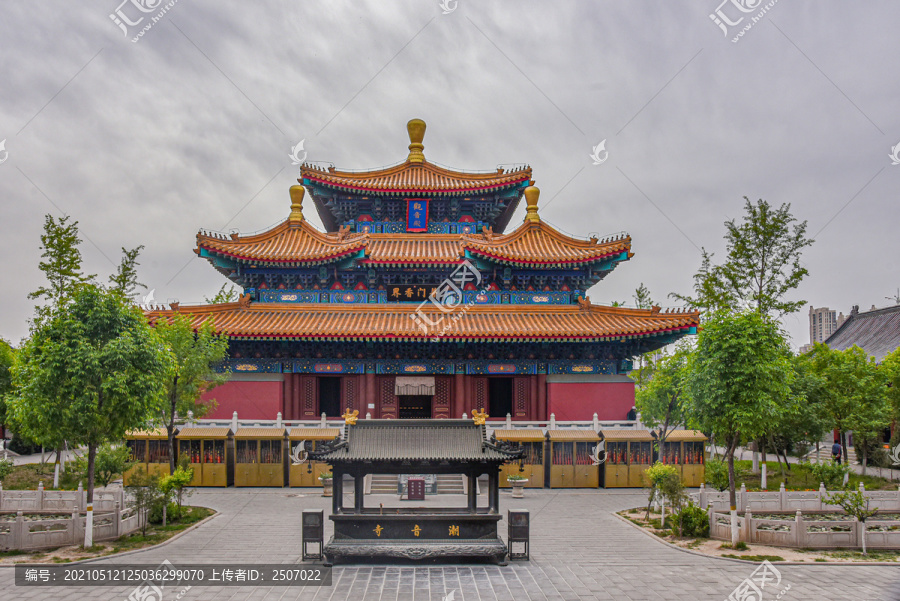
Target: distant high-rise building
{"type": "Point", "coordinates": [823, 322]}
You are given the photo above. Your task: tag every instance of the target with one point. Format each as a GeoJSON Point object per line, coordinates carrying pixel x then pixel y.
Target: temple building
{"type": "Point", "coordinates": [422, 300]}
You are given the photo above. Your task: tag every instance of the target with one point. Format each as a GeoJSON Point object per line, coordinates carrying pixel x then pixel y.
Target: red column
{"type": "Point", "coordinates": [459, 396]}
{"type": "Point", "coordinates": [295, 400]}
{"type": "Point", "coordinates": [286, 396]}
{"type": "Point", "coordinates": [532, 399]}
{"type": "Point", "coordinates": [542, 398]}
{"type": "Point", "coordinates": [371, 396]}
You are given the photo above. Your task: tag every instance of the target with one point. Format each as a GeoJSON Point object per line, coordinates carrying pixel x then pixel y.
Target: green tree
{"type": "Point", "coordinates": [739, 384]}
{"type": "Point", "coordinates": [112, 461]}
{"type": "Point", "coordinates": [851, 389]}
{"type": "Point", "coordinates": [89, 374]}
{"type": "Point", "coordinates": [761, 267]}
{"type": "Point", "coordinates": [177, 482]}
{"type": "Point", "coordinates": [124, 280]}
{"type": "Point", "coordinates": [855, 503]}
{"type": "Point", "coordinates": [662, 400]}
{"type": "Point", "coordinates": [7, 357]}
{"type": "Point", "coordinates": [61, 264]}
{"type": "Point", "coordinates": [194, 355]}
{"type": "Point", "coordinates": [224, 295]}
{"type": "Point", "coordinates": [891, 366]}
{"type": "Point", "coordinates": [642, 298]}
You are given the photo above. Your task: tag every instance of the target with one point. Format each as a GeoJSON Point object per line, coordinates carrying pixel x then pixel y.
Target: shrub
{"type": "Point", "coordinates": [145, 496]}
{"type": "Point", "coordinates": [694, 521]}
{"type": "Point", "coordinates": [174, 512]}
{"type": "Point", "coordinates": [830, 473]}
{"type": "Point", "coordinates": [111, 461]}
{"type": "Point", "coordinates": [717, 474]}
{"type": "Point", "coordinates": [6, 468]}
{"type": "Point", "coordinates": [176, 483]}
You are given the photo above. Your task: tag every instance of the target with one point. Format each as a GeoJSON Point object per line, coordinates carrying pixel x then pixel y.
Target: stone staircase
{"type": "Point", "coordinates": [447, 484]}
{"type": "Point", "coordinates": [384, 484]}
{"type": "Point", "coordinates": [450, 484]}
{"type": "Point", "coordinates": [825, 454]}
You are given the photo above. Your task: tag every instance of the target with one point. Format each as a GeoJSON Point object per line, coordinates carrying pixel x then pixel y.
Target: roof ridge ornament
{"type": "Point", "coordinates": [350, 417]}
{"type": "Point", "coordinates": [584, 303]}
{"type": "Point", "coordinates": [532, 193]}
{"type": "Point", "coordinates": [479, 417]}
{"type": "Point", "coordinates": [297, 193]}
{"type": "Point", "coordinates": [416, 130]}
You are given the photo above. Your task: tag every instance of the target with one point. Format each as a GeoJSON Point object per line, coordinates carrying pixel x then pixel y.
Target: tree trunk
{"type": "Point", "coordinates": [732, 494]}
{"type": "Point", "coordinates": [56, 470]}
{"type": "Point", "coordinates": [92, 456]}
{"type": "Point", "coordinates": [864, 448]}
{"type": "Point", "coordinates": [170, 425]}
{"type": "Point", "coordinates": [778, 459]}
{"type": "Point", "coordinates": [170, 430]}
{"type": "Point", "coordinates": [786, 464]}
{"type": "Point", "coordinates": [843, 436]}
{"type": "Point", "coordinates": [863, 526]}
{"type": "Point", "coordinates": [762, 451]}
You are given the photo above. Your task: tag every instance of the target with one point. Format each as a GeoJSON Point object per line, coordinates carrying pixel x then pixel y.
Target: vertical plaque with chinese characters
{"type": "Point", "coordinates": [416, 215]}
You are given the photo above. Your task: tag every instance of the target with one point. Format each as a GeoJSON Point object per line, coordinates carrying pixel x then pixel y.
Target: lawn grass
{"type": "Point", "coordinates": [857, 554]}
{"type": "Point", "coordinates": [799, 478]}
{"type": "Point", "coordinates": [754, 557]}
{"type": "Point", "coordinates": [27, 476]}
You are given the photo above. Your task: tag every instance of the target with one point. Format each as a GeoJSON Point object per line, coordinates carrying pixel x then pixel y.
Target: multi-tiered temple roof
{"type": "Point", "coordinates": [393, 238]}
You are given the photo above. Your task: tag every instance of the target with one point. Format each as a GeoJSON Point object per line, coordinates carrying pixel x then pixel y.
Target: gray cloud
{"type": "Point", "coordinates": [153, 140]}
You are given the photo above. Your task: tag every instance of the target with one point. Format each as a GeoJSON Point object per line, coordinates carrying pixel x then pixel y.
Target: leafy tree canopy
{"type": "Point", "coordinates": [662, 399]}
{"type": "Point", "coordinates": [61, 263]}
{"type": "Point", "coordinates": [226, 294]}
{"type": "Point", "coordinates": [194, 356]}
{"type": "Point", "coordinates": [124, 280]}
{"type": "Point", "coordinates": [89, 374]}
{"type": "Point", "coordinates": [762, 264]}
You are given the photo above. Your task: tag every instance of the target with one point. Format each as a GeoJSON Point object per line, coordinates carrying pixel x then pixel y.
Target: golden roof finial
{"type": "Point", "coordinates": [531, 199]}
{"type": "Point", "coordinates": [416, 129]}
{"type": "Point", "coordinates": [350, 417]}
{"type": "Point", "coordinates": [479, 417]}
{"type": "Point", "coordinates": [297, 193]}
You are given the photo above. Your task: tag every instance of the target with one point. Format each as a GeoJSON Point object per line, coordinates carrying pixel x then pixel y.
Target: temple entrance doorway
{"type": "Point", "coordinates": [415, 407]}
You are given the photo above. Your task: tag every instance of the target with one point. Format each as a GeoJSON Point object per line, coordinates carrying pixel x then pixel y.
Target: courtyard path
{"type": "Point", "coordinates": [579, 550]}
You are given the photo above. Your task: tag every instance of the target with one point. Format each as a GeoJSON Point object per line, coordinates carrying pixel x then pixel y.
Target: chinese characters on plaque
{"type": "Point", "coordinates": [416, 215]}
{"type": "Point", "coordinates": [400, 293]}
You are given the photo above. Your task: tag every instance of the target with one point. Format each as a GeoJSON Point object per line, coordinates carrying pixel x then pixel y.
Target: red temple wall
{"type": "Point", "coordinates": [251, 399]}
{"type": "Point", "coordinates": [572, 401]}
{"type": "Point", "coordinates": [570, 398]}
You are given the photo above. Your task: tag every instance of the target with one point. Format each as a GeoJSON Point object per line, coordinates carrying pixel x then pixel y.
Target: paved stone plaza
{"type": "Point", "coordinates": [579, 551]}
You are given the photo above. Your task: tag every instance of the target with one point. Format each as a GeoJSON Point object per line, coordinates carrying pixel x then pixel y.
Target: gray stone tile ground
{"type": "Point", "coordinates": [579, 551]}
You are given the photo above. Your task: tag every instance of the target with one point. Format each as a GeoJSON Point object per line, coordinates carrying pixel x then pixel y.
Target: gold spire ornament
{"type": "Point", "coordinates": [479, 417]}
{"type": "Point", "coordinates": [416, 130]}
{"type": "Point", "coordinates": [297, 193]}
{"type": "Point", "coordinates": [532, 193]}
{"type": "Point", "coordinates": [350, 418]}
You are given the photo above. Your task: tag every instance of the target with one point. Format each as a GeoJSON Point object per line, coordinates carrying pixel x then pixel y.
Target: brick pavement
{"type": "Point", "coordinates": [579, 551]}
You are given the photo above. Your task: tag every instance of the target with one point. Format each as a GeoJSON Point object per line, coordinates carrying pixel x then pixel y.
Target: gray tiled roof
{"type": "Point", "coordinates": [876, 332]}
{"type": "Point", "coordinates": [416, 440]}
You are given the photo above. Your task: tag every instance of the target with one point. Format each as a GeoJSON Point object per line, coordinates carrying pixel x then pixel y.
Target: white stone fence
{"type": "Point", "coordinates": [32, 534]}
{"type": "Point", "coordinates": [59, 500]}
{"type": "Point", "coordinates": [110, 520]}
{"type": "Point", "coordinates": [803, 533]}
{"type": "Point", "coordinates": [790, 501]}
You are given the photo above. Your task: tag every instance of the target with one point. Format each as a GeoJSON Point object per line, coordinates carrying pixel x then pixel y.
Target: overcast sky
{"type": "Point", "coordinates": [191, 126]}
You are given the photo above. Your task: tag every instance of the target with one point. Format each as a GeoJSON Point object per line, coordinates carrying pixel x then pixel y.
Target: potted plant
{"type": "Point", "coordinates": [327, 483]}
{"type": "Point", "coordinates": [518, 485]}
